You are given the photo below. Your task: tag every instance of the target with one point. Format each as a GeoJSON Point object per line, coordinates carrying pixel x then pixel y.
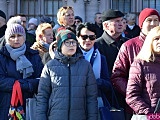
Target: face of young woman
{"type": "Point", "coordinates": [86, 39]}
{"type": "Point", "coordinates": [69, 47]}
{"type": "Point", "coordinates": [16, 40]}
{"type": "Point", "coordinates": [156, 45]}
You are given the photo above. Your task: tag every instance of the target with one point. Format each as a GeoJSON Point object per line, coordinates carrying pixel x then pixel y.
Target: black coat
{"type": "Point", "coordinates": [109, 48]}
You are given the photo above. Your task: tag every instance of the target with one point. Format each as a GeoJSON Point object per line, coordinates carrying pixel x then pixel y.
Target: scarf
{"type": "Point", "coordinates": [45, 45]}
{"type": "Point", "coordinates": [23, 65]}
{"type": "Point", "coordinates": [97, 60]}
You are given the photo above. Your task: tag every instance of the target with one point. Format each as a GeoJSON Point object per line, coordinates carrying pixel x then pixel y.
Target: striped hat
{"type": "Point", "coordinates": [14, 29]}
{"type": "Point", "coordinates": [64, 35]}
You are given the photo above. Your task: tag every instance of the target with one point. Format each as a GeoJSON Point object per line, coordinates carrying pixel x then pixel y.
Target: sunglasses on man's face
{"type": "Point", "coordinates": [91, 37]}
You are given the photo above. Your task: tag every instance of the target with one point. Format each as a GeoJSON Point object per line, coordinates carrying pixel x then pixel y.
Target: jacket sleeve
{"type": "Point", "coordinates": [91, 88]}
{"type": "Point", "coordinates": [134, 90]}
{"type": "Point", "coordinates": [120, 71]}
{"type": "Point", "coordinates": [44, 91]}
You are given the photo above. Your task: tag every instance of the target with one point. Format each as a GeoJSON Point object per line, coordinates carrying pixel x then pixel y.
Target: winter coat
{"type": "Point", "coordinates": [125, 57]}
{"type": "Point", "coordinates": [132, 33]}
{"type": "Point", "coordinates": [67, 90]}
{"type": "Point", "coordinates": [8, 75]}
{"type": "Point", "coordinates": [109, 48]}
{"type": "Point", "coordinates": [143, 86]}
{"type": "Point", "coordinates": [120, 72]}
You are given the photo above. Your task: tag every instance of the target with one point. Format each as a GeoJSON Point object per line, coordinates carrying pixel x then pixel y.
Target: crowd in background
{"type": "Point", "coordinates": [70, 65]}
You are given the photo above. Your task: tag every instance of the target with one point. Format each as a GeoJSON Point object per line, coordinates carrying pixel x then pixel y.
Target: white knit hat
{"type": "Point", "coordinates": [14, 29]}
{"type": "Point", "coordinates": [33, 21]}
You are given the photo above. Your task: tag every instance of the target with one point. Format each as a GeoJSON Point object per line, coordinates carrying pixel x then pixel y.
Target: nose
{"type": "Point", "coordinates": [152, 22]}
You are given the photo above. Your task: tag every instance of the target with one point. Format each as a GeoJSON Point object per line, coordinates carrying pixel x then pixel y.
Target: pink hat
{"type": "Point", "coordinates": [146, 13]}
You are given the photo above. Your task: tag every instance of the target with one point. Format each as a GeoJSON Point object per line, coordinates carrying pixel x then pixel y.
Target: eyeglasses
{"type": "Point", "coordinates": [68, 43]}
{"type": "Point", "coordinates": [91, 37]}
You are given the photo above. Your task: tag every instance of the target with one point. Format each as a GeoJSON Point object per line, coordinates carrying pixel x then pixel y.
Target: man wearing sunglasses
{"type": "Point", "coordinates": [111, 39]}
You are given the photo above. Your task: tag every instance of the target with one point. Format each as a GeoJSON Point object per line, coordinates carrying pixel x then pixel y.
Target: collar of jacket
{"type": "Point", "coordinates": [67, 60]}
{"type": "Point", "coordinates": [142, 36]}
{"type": "Point", "coordinates": [109, 40]}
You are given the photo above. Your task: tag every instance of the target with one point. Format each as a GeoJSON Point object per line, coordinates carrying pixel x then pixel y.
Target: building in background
{"type": "Point", "coordinates": [84, 8]}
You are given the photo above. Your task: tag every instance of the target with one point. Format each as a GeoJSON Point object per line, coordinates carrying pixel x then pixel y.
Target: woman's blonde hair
{"type": "Point", "coordinates": [40, 29]}
{"type": "Point", "coordinates": [146, 53]}
{"type": "Point", "coordinates": [61, 12]}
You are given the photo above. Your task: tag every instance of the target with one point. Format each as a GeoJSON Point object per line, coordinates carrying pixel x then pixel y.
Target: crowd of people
{"type": "Point", "coordinates": [70, 65]}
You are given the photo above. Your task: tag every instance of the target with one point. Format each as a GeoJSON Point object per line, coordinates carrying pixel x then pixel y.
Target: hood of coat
{"type": "Point", "coordinates": [67, 60]}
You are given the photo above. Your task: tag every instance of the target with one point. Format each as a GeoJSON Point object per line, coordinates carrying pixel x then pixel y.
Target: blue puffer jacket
{"type": "Point", "coordinates": [8, 75]}
{"type": "Point", "coordinates": [67, 90]}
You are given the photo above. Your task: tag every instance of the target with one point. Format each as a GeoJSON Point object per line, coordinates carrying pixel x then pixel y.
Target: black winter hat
{"type": "Point", "coordinates": [77, 17]}
{"type": "Point", "coordinates": [45, 19]}
{"type": "Point", "coordinates": [2, 14]}
{"type": "Point", "coordinates": [111, 14]}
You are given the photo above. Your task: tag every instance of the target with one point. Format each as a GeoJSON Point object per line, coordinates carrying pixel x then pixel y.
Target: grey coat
{"type": "Point", "coordinates": [67, 90]}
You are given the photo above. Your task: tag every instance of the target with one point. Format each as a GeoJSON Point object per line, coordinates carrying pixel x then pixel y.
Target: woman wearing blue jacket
{"type": "Point", "coordinates": [17, 62]}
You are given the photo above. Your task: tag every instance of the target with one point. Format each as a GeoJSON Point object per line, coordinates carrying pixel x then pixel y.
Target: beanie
{"type": "Point", "coordinates": [111, 14]}
{"type": "Point", "coordinates": [64, 35]}
{"type": "Point", "coordinates": [79, 18]}
{"type": "Point", "coordinates": [14, 29]}
{"type": "Point", "coordinates": [14, 20]}
{"type": "Point", "coordinates": [146, 13]}
{"type": "Point", "coordinates": [45, 19]}
{"type": "Point", "coordinates": [2, 14]}
{"type": "Point", "coordinates": [33, 21]}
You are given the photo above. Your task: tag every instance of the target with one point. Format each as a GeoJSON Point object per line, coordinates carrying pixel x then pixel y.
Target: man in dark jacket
{"type": "Point", "coordinates": [98, 24]}
{"type": "Point", "coordinates": [148, 19]}
{"type": "Point", "coordinates": [111, 40]}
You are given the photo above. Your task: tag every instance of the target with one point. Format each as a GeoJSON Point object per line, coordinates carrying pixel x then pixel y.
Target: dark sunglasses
{"type": "Point", "coordinates": [91, 37]}
{"type": "Point", "coordinates": [67, 7]}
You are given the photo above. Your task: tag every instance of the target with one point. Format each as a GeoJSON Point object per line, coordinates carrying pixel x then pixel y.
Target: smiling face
{"type": "Point", "coordinates": [86, 39]}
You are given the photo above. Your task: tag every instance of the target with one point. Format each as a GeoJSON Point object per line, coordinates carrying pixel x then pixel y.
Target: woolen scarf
{"type": "Point", "coordinates": [97, 62]}
{"type": "Point", "coordinates": [23, 65]}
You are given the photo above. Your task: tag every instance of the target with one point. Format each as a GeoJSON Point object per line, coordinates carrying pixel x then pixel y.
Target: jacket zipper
{"type": "Point", "coordinates": [69, 78]}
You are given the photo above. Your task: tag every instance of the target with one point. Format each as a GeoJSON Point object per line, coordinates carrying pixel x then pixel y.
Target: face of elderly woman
{"type": "Point", "coordinates": [156, 45]}
{"type": "Point", "coordinates": [16, 40]}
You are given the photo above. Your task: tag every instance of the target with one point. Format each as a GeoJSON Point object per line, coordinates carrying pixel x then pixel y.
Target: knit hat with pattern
{"type": "Point", "coordinates": [64, 35]}
{"type": "Point", "coordinates": [14, 29]}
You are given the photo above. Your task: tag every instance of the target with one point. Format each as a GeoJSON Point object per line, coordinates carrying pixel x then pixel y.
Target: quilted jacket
{"type": "Point", "coordinates": [125, 57]}
{"type": "Point", "coordinates": [67, 90]}
{"type": "Point", "coordinates": [143, 86]}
